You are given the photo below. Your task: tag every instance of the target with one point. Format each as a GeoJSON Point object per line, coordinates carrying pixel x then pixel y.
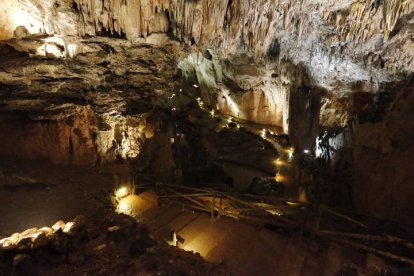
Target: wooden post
{"type": "Point", "coordinates": [213, 205]}
{"type": "Point", "coordinates": [221, 206]}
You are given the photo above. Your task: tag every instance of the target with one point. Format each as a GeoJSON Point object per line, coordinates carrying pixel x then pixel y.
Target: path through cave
{"type": "Point", "coordinates": [206, 137]}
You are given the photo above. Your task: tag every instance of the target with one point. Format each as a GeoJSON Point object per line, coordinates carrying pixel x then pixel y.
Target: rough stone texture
{"type": "Point", "coordinates": [86, 109]}
{"type": "Point", "coordinates": [241, 88]}
{"type": "Point", "coordinates": [138, 18]}
{"type": "Point", "coordinates": [351, 52]}
{"type": "Point", "coordinates": [338, 41]}
{"type": "Point", "coordinates": [37, 17]}
{"type": "Point", "coordinates": [383, 152]}
{"type": "Point", "coordinates": [120, 246]}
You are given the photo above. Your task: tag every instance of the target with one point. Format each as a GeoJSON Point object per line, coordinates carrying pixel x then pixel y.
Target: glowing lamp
{"type": "Point", "coordinates": [264, 133]}
{"type": "Point", "coordinates": [280, 178]}
{"type": "Point", "coordinates": [279, 162]}
{"type": "Point", "coordinates": [122, 192]}
{"type": "Point", "coordinates": [123, 207]}
{"type": "Point", "coordinates": [290, 151]}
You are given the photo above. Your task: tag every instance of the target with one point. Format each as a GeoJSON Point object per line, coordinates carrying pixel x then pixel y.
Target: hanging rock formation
{"type": "Point", "coordinates": [304, 66]}
{"type": "Point", "coordinates": [137, 18]}
{"type": "Point", "coordinates": [92, 107]}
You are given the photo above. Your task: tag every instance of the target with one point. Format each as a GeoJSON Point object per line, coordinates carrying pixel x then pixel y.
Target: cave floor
{"type": "Point", "coordinates": [36, 194]}
{"type": "Point", "coordinates": [231, 242]}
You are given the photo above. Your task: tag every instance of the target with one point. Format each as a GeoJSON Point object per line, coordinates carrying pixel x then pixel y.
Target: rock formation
{"type": "Point", "coordinates": [80, 77]}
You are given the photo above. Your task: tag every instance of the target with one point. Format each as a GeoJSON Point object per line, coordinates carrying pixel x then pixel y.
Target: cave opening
{"type": "Point", "coordinates": [144, 138]}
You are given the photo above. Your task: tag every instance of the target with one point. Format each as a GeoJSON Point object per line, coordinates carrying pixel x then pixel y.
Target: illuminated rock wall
{"type": "Point", "coordinates": [261, 49]}
{"type": "Point", "coordinates": [136, 18]}
{"type": "Point", "coordinates": [81, 138]}
{"type": "Point", "coordinates": [340, 42]}
{"type": "Point", "coordinates": [87, 108]}
{"type": "Point", "coordinates": [238, 86]}
{"type": "Point", "coordinates": [38, 17]}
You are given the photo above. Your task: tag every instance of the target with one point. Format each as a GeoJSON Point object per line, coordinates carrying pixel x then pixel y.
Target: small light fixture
{"type": "Point", "coordinates": [290, 152]}
{"type": "Point", "coordinates": [264, 133]}
{"type": "Point", "coordinates": [122, 192]}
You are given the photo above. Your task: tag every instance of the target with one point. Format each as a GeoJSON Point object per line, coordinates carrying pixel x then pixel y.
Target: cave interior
{"type": "Point", "coordinates": [161, 137]}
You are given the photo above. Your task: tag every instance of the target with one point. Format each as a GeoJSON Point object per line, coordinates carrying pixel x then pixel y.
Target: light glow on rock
{"type": "Point", "coordinates": [23, 18]}
{"type": "Point", "coordinates": [122, 192]}
{"type": "Point", "coordinates": [68, 226]}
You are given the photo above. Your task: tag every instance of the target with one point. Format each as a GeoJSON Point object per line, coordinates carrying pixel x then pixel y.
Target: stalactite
{"type": "Point", "coordinates": [134, 18]}
{"type": "Point", "coordinates": [391, 11]}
